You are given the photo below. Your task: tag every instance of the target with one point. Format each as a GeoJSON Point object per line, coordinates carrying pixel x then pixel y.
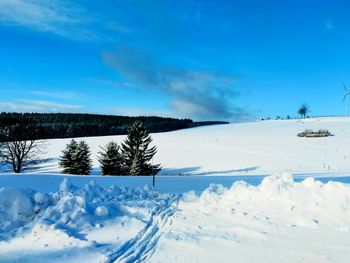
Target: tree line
{"type": "Point", "coordinates": [69, 125]}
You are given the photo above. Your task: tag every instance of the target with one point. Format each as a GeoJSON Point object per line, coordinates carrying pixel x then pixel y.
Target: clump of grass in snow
{"type": "Point", "coordinates": [315, 134]}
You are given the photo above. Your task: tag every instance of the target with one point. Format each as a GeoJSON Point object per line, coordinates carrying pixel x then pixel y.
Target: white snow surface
{"type": "Point", "coordinates": [75, 224]}
{"type": "Point", "coordinates": [256, 148]}
{"type": "Point", "coordinates": [284, 215]}
{"type": "Point", "coordinates": [279, 220]}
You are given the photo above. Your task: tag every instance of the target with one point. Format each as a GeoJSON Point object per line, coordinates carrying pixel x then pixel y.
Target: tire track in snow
{"type": "Point", "coordinates": [142, 247]}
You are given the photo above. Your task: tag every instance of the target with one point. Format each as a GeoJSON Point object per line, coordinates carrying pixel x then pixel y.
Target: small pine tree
{"type": "Point", "coordinates": [68, 158]}
{"type": "Point", "coordinates": [136, 152]}
{"type": "Point", "coordinates": [83, 159]}
{"type": "Point", "coordinates": [111, 160]}
{"type": "Point", "coordinates": [75, 158]}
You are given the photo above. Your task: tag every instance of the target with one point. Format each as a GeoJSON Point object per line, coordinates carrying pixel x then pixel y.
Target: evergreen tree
{"type": "Point", "coordinates": [111, 160]}
{"type": "Point", "coordinates": [83, 159]}
{"type": "Point", "coordinates": [68, 159]}
{"type": "Point", "coordinates": [75, 158]}
{"type": "Point", "coordinates": [136, 165]}
{"type": "Point", "coordinates": [136, 152]}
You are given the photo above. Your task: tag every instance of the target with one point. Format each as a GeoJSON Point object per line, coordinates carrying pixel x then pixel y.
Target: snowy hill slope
{"type": "Point", "coordinates": [46, 217]}
{"type": "Point", "coordinates": [258, 148]}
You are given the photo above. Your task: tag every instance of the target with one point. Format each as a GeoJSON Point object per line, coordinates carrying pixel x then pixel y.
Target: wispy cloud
{"type": "Point", "coordinates": [117, 27]}
{"type": "Point", "coordinates": [37, 106]}
{"type": "Point", "coordinates": [60, 17]}
{"type": "Point", "coordinates": [329, 25]}
{"type": "Point", "coordinates": [195, 93]}
{"type": "Point", "coordinates": [56, 95]}
{"type": "Point", "coordinates": [118, 84]}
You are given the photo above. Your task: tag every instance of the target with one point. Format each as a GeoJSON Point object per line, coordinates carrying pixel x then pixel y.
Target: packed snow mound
{"type": "Point", "coordinates": [16, 209]}
{"type": "Point", "coordinates": [72, 207]}
{"type": "Point", "coordinates": [73, 222]}
{"type": "Point", "coordinates": [279, 220]}
{"type": "Point", "coordinates": [107, 224]}
{"type": "Point", "coordinates": [309, 203]}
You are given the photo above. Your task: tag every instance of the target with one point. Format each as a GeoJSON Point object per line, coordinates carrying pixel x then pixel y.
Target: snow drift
{"type": "Point", "coordinates": [280, 220]}
{"type": "Point", "coordinates": [308, 203]}
{"type": "Point", "coordinates": [73, 224]}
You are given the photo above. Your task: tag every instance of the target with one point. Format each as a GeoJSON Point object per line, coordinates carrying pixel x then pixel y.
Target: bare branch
{"type": "Point", "coordinates": [17, 150]}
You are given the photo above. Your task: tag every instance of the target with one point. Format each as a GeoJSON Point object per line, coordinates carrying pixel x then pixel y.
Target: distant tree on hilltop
{"type": "Point", "coordinates": [303, 110]}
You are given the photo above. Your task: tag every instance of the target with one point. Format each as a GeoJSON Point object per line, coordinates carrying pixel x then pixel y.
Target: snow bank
{"type": "Point", "coordinates": [308, 203]}
{"type": "Point", "coordinates": [75, 221]}
{"type": "Point", "coordinates": [278, 219]}
{"type": "Point", "coordinates": [16, 209]}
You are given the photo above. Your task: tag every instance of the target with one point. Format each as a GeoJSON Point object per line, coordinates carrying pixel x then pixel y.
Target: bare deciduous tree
{"type": "Point", "coordinates": [303, 110]}
{"type": "Point", "coordinates": [19, 146]}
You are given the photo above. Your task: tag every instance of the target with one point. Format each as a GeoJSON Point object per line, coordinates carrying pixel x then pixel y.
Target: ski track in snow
{"type": "Point", "coordinates": [142, 247]}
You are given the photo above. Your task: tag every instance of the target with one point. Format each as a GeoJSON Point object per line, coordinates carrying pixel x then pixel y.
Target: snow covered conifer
{"type": "Point", "coordinates": [75, 158]}
{"type": "Point", "coordinates": [136, 152]}
{"type": "Point", "coordinates": [111, 160]}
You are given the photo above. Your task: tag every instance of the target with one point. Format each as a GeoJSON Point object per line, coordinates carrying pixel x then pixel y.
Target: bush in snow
{"type": "Point", "coordinates": [315, 134]}
{"type": "Point", "coordinates": [111, 160]}
{"type": "Point", "coordinates": [75, 158]}
{"type": "Point", "coordinates": [136, 152]}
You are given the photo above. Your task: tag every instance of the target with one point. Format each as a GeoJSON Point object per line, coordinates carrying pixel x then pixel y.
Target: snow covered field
{"type": "Point", "coordinates": [278, 218]}
{"type": "Point", "coordinates": [258, 148]}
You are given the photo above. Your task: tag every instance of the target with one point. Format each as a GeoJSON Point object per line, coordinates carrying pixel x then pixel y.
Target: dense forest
{"type": "Point", "coordinates": [69, 125]}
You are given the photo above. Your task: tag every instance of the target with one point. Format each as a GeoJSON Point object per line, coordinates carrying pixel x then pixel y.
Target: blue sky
{"type": "Point", "coordinates": [205, 60]}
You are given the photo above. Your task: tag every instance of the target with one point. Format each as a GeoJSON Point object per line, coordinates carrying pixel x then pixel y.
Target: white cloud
{"type": "Point", "coordinates": [37, 106]}
{"type": "Point", "coordinates": [58, 17]}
